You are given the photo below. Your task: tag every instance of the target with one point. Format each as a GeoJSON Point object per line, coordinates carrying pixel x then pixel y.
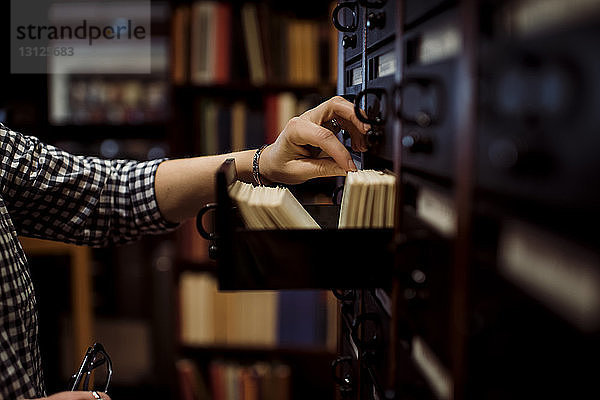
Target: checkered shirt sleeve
{"type": "Point", "coordinates": [51, 194]}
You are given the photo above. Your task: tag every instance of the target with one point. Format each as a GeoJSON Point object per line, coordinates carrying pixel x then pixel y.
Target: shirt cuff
{"type": "Point", "coordinates": [147, 215]}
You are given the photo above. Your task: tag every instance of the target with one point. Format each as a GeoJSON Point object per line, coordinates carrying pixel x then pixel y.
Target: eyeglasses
{"type": "Point", "coordinates": [96, 367]}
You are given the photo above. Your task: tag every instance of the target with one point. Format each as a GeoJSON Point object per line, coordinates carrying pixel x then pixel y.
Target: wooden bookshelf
{"type": "Point", "coordinates": [188, 129]}
{"type": "Point", "coordinates": [81, 287]}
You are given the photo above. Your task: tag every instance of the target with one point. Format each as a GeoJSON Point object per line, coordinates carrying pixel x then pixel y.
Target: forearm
{"type": "Point", "coordinates": [183, 186]}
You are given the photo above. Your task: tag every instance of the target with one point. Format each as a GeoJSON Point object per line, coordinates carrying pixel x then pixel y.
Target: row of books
{"type": "Point", "coordinates": [93, 100]}
{"type": "Point", "coordinates": [254, 319]}
{"type": "Point", "coordinates": [232, 381]}
{"type": "Point", "coordinates": [224, 127]}
{"type": "Point", "coordinates": [215, 43]}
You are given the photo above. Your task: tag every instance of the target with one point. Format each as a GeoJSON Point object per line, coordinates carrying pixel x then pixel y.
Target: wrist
{"type": "Point", "coordinates": [263, 167]}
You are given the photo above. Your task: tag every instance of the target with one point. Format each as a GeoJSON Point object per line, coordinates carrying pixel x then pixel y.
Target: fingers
{"type": "Point", "coordinates": [312, 168]}
{"type": "Point", "coordinates": [305, 132]}
{"type": "Point", "coordinates": [78, 396]}
{"type": "Point", "coordinates": [343, 112]}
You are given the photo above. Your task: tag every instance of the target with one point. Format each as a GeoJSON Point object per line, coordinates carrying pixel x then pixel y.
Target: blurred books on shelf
{"type": "Point", "coordinates": [254, 44]}
{"type": "Point", "coordinates": [209, 317]}
{"type": "Point", "coordinates": [229, 380]}
{"type": "Point", "coordinates": [113, 82]}
{"type": "Point", "coordinates": [225, 126]}
{"type": "Point", "coordinates": [219, 44]}
{"type": "Point", "coordinates": [279, 109]}
{"type": "Point", "coordinates": [303, 318]}
{"type": "Point", "coordinates": [192, 385]}
{"type": "Point", "coordinates": [180, 36]}
{"type": "Point", "coordinates": [113, 100]}
{"type": "Point", "coordinates": [210, 44]}
{"type": "Point", "coordinates": [254, 319]}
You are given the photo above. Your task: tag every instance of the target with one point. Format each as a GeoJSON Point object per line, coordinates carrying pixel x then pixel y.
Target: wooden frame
{"type": "Point", "coordinates": [81, 287]}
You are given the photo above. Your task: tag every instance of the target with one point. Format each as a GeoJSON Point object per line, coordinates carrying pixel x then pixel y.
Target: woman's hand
{"type": "Point", "coordinates": [308, 148]}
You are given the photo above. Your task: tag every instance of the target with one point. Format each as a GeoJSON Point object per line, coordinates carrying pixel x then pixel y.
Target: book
{"type": "Point", "coordinates": [197, 307]}
{"type": "Point", "coordinates": [185, 378]}
{"type": "Point", "coordinates": [279, 109]}
{"type": "Point", "coordinates": [203, 32]}
{"type": "Point", "coordinates": [294, 46]}
{"type": "Point", "coordinates": [310, 57]}
{"type": "Point", "coordinates": [180, 44]}
{"type": "Point", "coordinates": [210, 42]}
{"type": "Point", "coordinates": [209, 317]}
{"type": "Point", "coordinates": [281, 382]}
{"type": "Point", "coordinates": [271, 119]}
{"type": "Point", "coordinates": [333, 313]}
{"type": "Point", "coordinates": [264, 17]}
{"type": "Point", "coordinates": [191, 383]}
{"type": "Point", "coordinates": [286, 109]}
{"type": "Point", "coordinates": [209, 127]}
{"type": "Point", "coordinates": [254, 319]}
{"type": "Point", "coordinates": [238, 126]}
{"type": "Point", "coordinates": [254, 45]}
{"type": "Point", "coordinates": [218, 382]}
{"type": "Point", "coordinates": [216, 43]}
{"type": "Point", "coordinates": [251, 319]}
{"type": "Point", "coordinates": [302, 316]}
{"type": "Point", "coordinates": [258, 381]}
{"type": "Point", "coordinates": [222, 49]}
{"type": "Point", "coordinates": [265, 207]}
{"type": "Point", "coordinates": [368, 200]}
{"type": "Point", "coordinates": [232, 381]}
{"type": "Point", "coordinates": [249, 384]}
{"type": "Point", "coordinates": [223, 127]}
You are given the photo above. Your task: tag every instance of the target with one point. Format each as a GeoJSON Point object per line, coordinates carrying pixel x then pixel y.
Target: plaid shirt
{"type": "Point", "coordinates": [50, 194]}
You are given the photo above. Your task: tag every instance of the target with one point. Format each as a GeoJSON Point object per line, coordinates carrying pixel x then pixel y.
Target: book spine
{"type": "Point", "coordinates": [254, 45]}
{"type": "Point", "coordinates": [180, 34]}
{"type": "Point", "coordinates": [238, 126]}
{"type": "Point", "coordinates": [202, 49]}
{"type": "Point", "coordinates": [302, 319]}
{"type": "Point", "coordinates": [271, 118]}
{"type": "Point", "coordinates": [223, 43]}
